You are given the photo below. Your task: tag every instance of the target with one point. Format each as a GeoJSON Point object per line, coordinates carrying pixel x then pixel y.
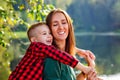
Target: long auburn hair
{"type": "Point", "coordinates": [70, 41]}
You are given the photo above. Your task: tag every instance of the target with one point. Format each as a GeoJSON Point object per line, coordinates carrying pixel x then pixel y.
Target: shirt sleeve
{"type": "Point", "coordinates": [61, 56]}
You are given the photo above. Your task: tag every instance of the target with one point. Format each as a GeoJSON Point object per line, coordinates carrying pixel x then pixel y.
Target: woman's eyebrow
{"type": "Point", "coordinates": [64, 20]}
{"type": "Point", "coordinates": [55, 21]}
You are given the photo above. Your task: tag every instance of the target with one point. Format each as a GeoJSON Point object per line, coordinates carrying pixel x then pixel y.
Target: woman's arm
{"type": "Point", "coordinates": [81, 76]}
{"type": "Point", "coordinates": [88, 55]}
{"type": "Point", "coordinates": [84, 53]}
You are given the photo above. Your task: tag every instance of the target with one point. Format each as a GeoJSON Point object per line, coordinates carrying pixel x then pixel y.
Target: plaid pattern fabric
{"type": "Point", "coordinates": [32, 64]}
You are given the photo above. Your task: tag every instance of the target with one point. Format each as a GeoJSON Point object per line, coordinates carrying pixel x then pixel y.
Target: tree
{"type": "Point", "coordinates": [8, 19]}
{"type": "Point", "coordinates": [10, 16]}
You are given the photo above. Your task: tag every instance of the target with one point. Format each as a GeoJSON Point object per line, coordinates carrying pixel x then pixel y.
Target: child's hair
{"type": "Point", "coordinates": [31, 32]}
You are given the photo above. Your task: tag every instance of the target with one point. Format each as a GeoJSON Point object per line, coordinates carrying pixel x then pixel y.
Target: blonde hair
{"type": "Point", "coordinates": [70, 41]}
{"type": "Point", "coordinates": [31, 32]}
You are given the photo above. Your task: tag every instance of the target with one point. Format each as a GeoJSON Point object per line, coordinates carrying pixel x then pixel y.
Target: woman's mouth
{"type": "Point", "coordinates": [60, 33]}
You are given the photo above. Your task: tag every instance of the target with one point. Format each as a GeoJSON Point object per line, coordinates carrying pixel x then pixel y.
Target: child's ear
{"type": "Point", "coordinates": [33, 39]}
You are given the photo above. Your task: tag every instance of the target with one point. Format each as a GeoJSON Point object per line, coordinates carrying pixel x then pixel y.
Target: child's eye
{"type": "Point", "coordinates": [44, 33]}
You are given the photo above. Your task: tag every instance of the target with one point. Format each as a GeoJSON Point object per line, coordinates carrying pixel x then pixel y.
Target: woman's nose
{"type": "Point", "coordinates": [60, 26]}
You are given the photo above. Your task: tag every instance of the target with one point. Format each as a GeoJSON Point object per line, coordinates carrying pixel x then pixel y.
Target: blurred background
{"type": "Point", "coordinates": [96, 24]}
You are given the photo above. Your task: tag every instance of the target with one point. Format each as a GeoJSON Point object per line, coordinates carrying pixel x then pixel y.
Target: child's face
{"type": "Point", "coordinates": [43, 35]}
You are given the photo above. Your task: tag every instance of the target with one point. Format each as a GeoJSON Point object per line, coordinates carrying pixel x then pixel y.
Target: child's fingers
{"type": "Point", "coordinates": [92, 75]}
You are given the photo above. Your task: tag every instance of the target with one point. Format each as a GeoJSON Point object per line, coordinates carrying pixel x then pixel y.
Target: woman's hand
{"type": "Point", "coordinates": [85, 53]}
{"type": "Point", "coordinates": [88, 55]}
{"type": "Point", "coordinates": [90, 62]}
{"type": "Point", "coordinates": [92, 75]}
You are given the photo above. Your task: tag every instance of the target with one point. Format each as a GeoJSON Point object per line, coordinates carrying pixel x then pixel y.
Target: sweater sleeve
{"type": "Point", "coordinates": [61, 56]}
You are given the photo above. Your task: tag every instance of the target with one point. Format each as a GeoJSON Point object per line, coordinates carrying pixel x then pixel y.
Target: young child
{"type": "Point", "coordinates": [32, 64]}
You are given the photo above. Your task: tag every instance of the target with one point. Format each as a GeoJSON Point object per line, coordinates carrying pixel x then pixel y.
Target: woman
{"type": "Point", "coordinates": [63, 39]}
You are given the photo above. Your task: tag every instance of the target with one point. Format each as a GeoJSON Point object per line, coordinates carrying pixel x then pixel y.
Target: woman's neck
{"type": "Point", "coordinates": [61, 45]}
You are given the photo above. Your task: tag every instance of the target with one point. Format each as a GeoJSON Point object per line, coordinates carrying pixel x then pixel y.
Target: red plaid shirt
{"type": "Point", "coordinates": [32, 64]}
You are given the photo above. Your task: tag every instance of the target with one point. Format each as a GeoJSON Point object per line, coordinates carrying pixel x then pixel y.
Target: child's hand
{"type": "Point", "coordinates": [83, 68]}
{"type": "Point", "coordinates": [87, 69]}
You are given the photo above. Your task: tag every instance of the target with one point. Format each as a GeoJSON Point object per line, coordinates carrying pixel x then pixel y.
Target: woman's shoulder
{"type": "Point", "coordinates": [52, 70]}
{"type": "Point", "coordinates": [51, 62]}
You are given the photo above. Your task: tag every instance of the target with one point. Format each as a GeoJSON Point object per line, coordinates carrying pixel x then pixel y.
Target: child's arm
{"type": "Point", "coordinates": [61, 56]}
{"type": "Point", "coordinates": [84, 69]}
{"type": "Point", "coordinates": [54, 53]}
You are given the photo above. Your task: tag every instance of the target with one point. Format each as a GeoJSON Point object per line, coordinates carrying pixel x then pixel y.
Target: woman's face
{"type": "Point", "coordinates": [59, 26]}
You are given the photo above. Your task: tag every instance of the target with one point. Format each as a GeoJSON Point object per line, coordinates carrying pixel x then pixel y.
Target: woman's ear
{"type": "Point", "coordinates": [33, 39]}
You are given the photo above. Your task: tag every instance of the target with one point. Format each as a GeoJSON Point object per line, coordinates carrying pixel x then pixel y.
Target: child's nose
{"type": "Point", "coordinates": [50, 36]}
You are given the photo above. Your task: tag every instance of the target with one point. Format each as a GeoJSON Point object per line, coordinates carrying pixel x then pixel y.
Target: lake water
{"type": "Point", "coordinates": [106, 47]}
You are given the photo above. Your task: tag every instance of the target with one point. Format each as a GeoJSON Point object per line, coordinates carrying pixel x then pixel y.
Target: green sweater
{"type": "Point", "coordinates": [54, 70]}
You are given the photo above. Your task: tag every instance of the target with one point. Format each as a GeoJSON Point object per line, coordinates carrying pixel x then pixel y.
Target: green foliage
{"type": "Point", "coordinates": [102, 14]}
{"type": "Point", "coordinates": [4, 70]}
{"type": "Point", "coordinates": [11, 16]}
{"type": "Point", "coordinates": [7, 20]}
{"type": "Point", "coordinates": [63, 4]}
{"type": "Point", "coordinates": [116, 12]}
{"type": "Point", "coordinates": [38, 10]}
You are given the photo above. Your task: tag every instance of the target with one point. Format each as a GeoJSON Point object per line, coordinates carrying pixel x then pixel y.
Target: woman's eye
{"type": "Point", "coordinates": [54, 24]}
{"type": "Point", "coordinates": [64, 23]}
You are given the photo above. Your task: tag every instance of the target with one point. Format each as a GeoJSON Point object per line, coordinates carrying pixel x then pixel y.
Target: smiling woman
{"type": "Point", "coordinates": [62, 30]}
{"type": "Point", "coordinates": [59, 27]}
